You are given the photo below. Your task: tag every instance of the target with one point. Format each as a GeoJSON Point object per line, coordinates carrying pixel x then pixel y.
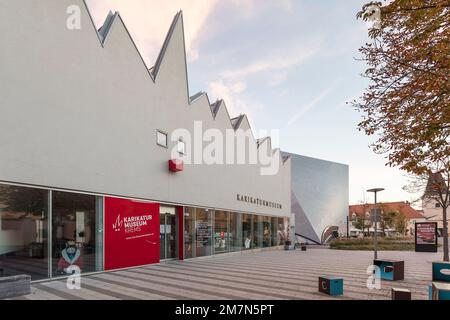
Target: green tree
{"type": "Point", "coordinates": [407, 102]}
{"type": "Point", "coordinates": [400, 223]}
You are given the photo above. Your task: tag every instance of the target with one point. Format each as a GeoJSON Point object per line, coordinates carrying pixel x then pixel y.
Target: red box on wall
{"type": "Point", "coordinates": [176, 165]}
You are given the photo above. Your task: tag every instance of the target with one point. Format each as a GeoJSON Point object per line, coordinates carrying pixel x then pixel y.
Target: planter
{"type": "Point", "coordinates": [15, 286]}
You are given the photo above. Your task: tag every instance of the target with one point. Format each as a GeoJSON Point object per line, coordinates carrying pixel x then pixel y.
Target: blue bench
{"type": "Point", "coordinates": [441, 271]}
{"type": "Point", "coordinates": [391, 270]}
{"type": "Point", "coordinates": [439, 291]}
{"type": "Point", "coordinates": [332, 286]}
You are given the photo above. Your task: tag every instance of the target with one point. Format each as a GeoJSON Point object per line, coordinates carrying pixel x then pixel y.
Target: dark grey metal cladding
{"type": "Point", "coordinates": [303, 227]}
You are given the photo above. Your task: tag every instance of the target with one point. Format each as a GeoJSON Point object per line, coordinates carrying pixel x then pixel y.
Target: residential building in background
{"type": "Point", "coordinates": [361, 213]}
{"type": "Point", "coordinates": [432, 209]}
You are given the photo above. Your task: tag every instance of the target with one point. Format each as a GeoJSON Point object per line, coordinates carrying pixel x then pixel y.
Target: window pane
{"type": "Point", "coordinates": [221, 235]}
{"type": "Point", "coordinates": [161, 138]}
{"type": "Point", "coordinates": [181, 146]}
{"type": "Point", "coordinates": [282, 229]}
{"type": "Point", "coordinates": [203, 231]}
{"type": "Point", "coordinates": [23, 232]}
{"type": "Point", "coordinates": [189, 218]}
{"type": "Point", "coordinates": [74, 220]}
{"type": "Point", "coordinates": [235, 231]}
{"type": "Point", "coordinates": [275, 234]}
{"type": "Point", "coordinates": [266, 231]}
{"type": "Point", "coordinates": [257, 231]}
{"type": "Point", "coordinates": [247, 235]}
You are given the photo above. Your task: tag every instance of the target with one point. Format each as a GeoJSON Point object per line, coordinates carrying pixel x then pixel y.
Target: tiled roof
{"type": "Point", "coordinates": [403, 207]}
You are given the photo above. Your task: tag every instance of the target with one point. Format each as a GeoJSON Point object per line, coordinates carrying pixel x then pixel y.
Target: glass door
{"type": "Point", "coordinates": [167, 232]}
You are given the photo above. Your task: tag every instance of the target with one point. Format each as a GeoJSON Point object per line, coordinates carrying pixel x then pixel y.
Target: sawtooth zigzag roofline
{"type": "Point", "coordinates": [104, 31]}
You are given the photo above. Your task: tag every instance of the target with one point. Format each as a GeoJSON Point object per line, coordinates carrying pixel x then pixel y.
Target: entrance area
{"type": "Point", "coordinates": [167, 232]}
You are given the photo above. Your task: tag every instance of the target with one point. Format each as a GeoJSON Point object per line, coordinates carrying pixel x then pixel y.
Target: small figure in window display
{"type": "Point", "coordinates": [70, 255]}
{"type": "Point", "coordinates": [247, 243]}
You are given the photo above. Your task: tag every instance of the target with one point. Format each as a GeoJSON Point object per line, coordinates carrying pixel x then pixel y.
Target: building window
{"type": "Point", "coordinates": [235, 231]}
{"type": "Point", "coordinates": [76, 234]}
{"type": "Point", "coordinates": [267, 232]}
{"type": "Point", "coordinates": [275, 241]}
{"type": "Point", "coordinates": [189, 232]}
{"type": "Point", "coordinates": [247, 234]}
{"type": "Point", "coordinates": [203, 232]}
{"type": "Point", "coordinates": [221, 234]}
{"type": "Point", "coordinates": [23, 232]}
{"type": "Point", "coordinates": [257, 232]}
{"type": "Point", "coordinates": [181, 147]}
{"type": "Point", "coordinates": [161, 138]}
{"type": "Point", "coordinates": [437, 205]}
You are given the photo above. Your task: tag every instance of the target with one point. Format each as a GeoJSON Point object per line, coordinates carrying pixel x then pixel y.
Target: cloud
{"type": "Point", "coordinates": [252, 8]}
{"type": "Point", "coordinates": [236, 103]}
{"type": "Point", "coordinates": [232, 83]}
{"type": "Point", "coordinates": [313, 103]}
{"type": "Point", "coordinates": [149, 20]}
{"type": "Point", "coordinates": [278, 61]}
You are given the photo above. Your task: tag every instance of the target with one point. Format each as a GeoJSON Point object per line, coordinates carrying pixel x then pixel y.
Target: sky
{"type": "Point", "coordinates": [288, 64]}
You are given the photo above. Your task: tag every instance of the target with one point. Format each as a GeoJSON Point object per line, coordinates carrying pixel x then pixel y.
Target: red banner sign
{"type": "Point", "coordinates": [131, 233]}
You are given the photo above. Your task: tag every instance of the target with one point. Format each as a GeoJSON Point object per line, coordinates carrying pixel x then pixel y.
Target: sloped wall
{"type": "Point", "coordinates": [80, 111]}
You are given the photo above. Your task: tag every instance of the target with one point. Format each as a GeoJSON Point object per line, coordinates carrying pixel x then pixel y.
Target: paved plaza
{"type": "Point", "coordinates": [274, 274]}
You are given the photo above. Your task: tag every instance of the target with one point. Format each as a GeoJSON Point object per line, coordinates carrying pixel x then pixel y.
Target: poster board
{"type": "Point", "coordinates": [132, 231]}
{"type": "Point", "coordinates": [426, 236]}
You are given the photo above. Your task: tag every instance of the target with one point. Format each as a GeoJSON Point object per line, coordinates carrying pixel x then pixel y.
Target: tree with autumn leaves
{"type": "Point", "coordinates": [406, 105]}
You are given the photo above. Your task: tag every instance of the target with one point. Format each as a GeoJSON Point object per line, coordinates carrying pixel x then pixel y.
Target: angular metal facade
{"type": "Point", "coordinates": [319, 194]}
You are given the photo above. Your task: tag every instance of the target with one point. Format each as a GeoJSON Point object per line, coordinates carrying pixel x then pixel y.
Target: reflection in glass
{"type": "Point", "coordinates": [275, 234]}
{"type": "Point", "coordinates": [266, 231]}
{"type": "Point", "coordinates": [221, 234]}
{"type": "Point", "coordinates": [247, 235]}
{"type": "Point", "coordinates": [282, 229]}
{"type": "Point", "coordinates": [189, 234]}
{"type": "Point", "coordinates": [74, 218]}
{"type": "Point", "coordinates": [23, 232]}
{"type": "Point", "coordinates": [257, 232]}
{"type": "Point", "coordinates": [203, 232]}
{"type": "Point", "coordinates": [235, 231]}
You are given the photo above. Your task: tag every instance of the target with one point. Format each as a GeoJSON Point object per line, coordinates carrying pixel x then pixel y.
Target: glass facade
{"type": "Point", "coordinates": [47, 233]}
{"type": "Point", "coordinates": [231, 231]}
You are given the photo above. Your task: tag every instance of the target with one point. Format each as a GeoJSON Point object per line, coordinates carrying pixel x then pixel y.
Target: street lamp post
{"type": "Point", "coordinates": [375, 218]}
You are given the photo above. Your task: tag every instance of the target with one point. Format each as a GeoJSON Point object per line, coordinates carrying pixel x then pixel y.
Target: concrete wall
{"type": "Point", "coordinates": [79, 112]}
